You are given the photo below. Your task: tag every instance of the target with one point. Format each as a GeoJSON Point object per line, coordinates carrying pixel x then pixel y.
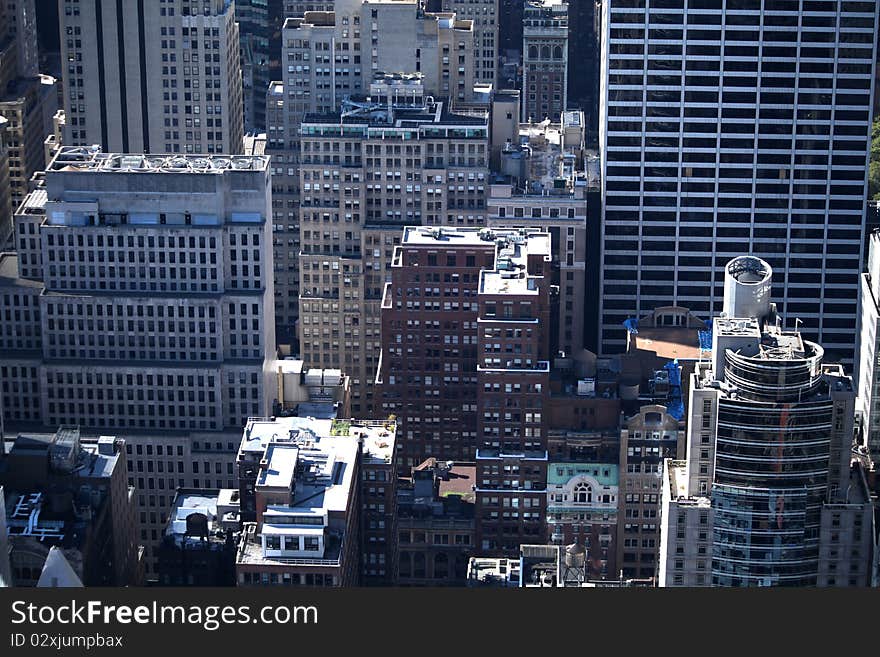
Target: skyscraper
{"type": "Point", "coordinates": [366, 172]}
{"type": "Point", "coordinates": [543, 183]}
{"type": "Point", "coordinates": [484, 14]}
{"type": "Point", "coordinates": [27, 102]}
{"type": "Point", "coordinates": [465, 366]}
{"type": "Point", "coordinates": [152, 77]}
{"type": "Point", "coordinates": [769, 447]}
{"type": "Point", "coordinates": [729, 126]}
{"type": "Point", "coordinates": [330, 56]}
{"type": "Point", "coordinates": [544, 60]}
{"type": "Point", "coordinates": [140, 301]}
{"type": "Point", "coordinates": [253, 27]}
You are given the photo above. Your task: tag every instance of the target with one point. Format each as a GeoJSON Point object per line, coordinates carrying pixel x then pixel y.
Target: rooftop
{"type": "Point", "coordinates": [418, 114]}
{"type": "Point", "coordinates": [91, 158]}
{"type": "Point", "coordinates": [315, 433]}
{"type": "Point", "coordinates": [678, 485]}
{"type": "Point", "coordinates": [187, 502]}
{"type": "Point", "coordinates": [460, 482]}
{"type": "Point", "coordinates": [281, 460]}
{"type": "Point", "coordinates": [447, 237]}
{"type": "Point", "coordinates": [486, 571]}
{"type": "Point", "coordinates": [669, 342]}
{"type": "Point", "coordinates": [68, 453]}
{"type": "Point", "coordinates": [606, 474]}
{"type": "Point", "coordinates": [511, 273]}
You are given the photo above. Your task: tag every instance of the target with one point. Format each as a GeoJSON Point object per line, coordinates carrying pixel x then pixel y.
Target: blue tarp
{"type": "Point", "coordinates": [706, 337]}
{"type": "Point", "coordinates": [675, 406]}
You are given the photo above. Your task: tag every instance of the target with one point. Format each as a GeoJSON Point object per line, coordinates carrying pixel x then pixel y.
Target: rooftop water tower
{"type": "Point", "coordinates": [748, 282]}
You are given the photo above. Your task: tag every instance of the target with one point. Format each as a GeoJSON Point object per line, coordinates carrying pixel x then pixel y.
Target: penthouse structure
{"type": "Point", "coordinates": [401, 159]}
{"type": "Point", "coordinates": [542, 183]}
{"type": "Point", "coordinates": [317, 501]}
{"type": "Point", "coordinates": [310, 392]}
{"type": "Point", "coordinates": [137, 302]}
{"type": "Point", "coordinates": [770, 438]}
{"type": "Point", "coordinates": [334, 54]}
{"type": "Point", "coordinates": [152, 77]}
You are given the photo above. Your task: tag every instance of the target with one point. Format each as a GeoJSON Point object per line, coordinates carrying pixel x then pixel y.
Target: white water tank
{"type": "Point", "coordinates": [748, 282]}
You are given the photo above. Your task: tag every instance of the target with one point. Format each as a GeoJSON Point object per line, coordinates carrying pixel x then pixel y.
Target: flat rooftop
{"type": "Point", "coordinates": [678, 486]}
{"type": "Point", "coordinates": [461, 481]}
{"type": "Point", "coordinates": [312, 433]}
{"type": "Point", "coordinates": [282, 459]}
{"type": "Point", "coordinates": [91, 158]}
{"type": "Point", "coordinates": [512, 246]}
{"type": "Point", "coordinates": [446, 237]}
{"type": "Point", "coordinates": [188, 502]}
{"type": "Point", "coordinates": [488, 571]}
{"type": "Point", "coordinates": [669, 341]}
{"type": "Point", "coordinates": [511, 274]}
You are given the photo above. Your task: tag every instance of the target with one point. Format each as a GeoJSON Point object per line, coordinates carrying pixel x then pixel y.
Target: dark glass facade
{"type": "Point", "coordinates": [772, 461]}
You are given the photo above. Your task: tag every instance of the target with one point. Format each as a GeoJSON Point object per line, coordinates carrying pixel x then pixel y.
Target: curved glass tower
{"type": "Point", "coordinates": [773, 446]}
{"type": "Point", "coordinates": [763, 497]}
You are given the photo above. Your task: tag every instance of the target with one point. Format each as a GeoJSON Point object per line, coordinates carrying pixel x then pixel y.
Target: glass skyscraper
{"type": "Point", "coordinates": [729, 127]}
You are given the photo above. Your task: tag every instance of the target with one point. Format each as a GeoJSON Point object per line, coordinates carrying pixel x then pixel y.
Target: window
{"type": "Point", "coordinates": [583, 494]}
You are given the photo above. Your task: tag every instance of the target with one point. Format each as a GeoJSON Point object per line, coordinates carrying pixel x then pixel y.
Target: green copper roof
{"type": "Point", "coordinates": [560, 473]}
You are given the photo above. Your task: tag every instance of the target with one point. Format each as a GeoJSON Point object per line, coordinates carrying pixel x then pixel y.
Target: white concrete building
{"type": "Point", "coordinates": [686, 540]}
{"type": "Point", "coordinates": [867, 368]}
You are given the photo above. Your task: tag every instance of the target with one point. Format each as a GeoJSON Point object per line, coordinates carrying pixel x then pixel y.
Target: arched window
{"type": "Point", "coordinates": [545, 52]}
{"type": "Point", "coordinates": [557, 52]}
{"type": "Point", "coordinates": [533, 52]}
{"type": "Point", "coordinates": [583, 494]}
